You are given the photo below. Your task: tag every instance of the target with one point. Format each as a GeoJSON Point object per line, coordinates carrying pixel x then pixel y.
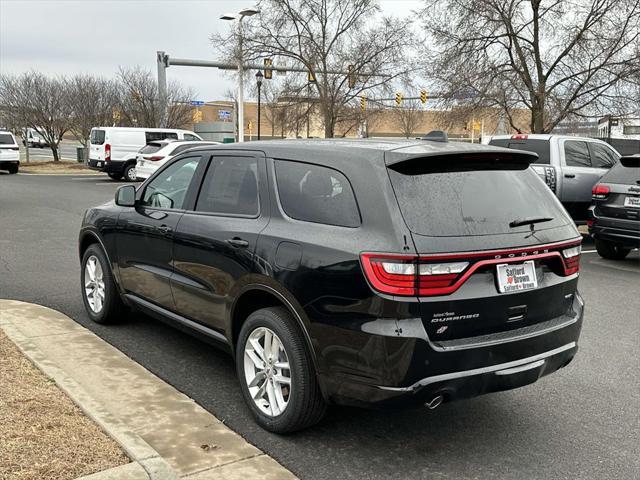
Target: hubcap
{"type": "Point", "coordinates": [131, 174]}
{"type": "Point", "coordinates": [94, 284]}
{"type": "Point", "coordinates": [266, 370]}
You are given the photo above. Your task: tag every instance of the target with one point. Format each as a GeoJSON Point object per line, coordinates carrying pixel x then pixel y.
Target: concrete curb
{"type": "Point", "coordinates": [140, 452]}
{"type": "Point", "coordinates": [166, 434]}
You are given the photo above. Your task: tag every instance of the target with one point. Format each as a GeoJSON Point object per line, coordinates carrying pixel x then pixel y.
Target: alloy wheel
{"type": "Point", "coordinates": [94, 286]}
{"type": "Point", "coordinates": [267, 371]}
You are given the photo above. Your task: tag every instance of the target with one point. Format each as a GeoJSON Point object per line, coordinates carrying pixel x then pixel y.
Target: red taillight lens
{"type": "Point", "coordinates": [107, 153]}
{"type": "Point", "coordinates": [599, 192]}
{"type": "Point", "coordinates": [391, 274]}
{"type": "Point", "coordinates": [519, 136]}
{"type": "Point", "coordinates": [155, 158]}
{"type": "Point", "coordinates": [571, 258]}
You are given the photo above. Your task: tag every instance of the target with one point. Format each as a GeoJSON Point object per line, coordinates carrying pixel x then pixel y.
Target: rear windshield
{"type": "Point", "coordinates": [97, 137]}
{"type": "Point", "coordinates": [6, 139]}
{"type": "Point", "coordinates": [621, 174]}
{"type": "Point", "coordinates": [478, 201]}
{"type": "Point", "coordinates": [151, 148]}
{"type": "Point", "coordinates": [541, 147]}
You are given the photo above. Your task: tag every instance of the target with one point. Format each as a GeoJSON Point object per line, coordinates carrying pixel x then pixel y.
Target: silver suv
{"type": "Point", "coordinates": [571, 166]}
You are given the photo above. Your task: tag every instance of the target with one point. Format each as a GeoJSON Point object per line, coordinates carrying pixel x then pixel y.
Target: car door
{"type": "Point", "coordinates": [579, 175]}
{"type": "Point", "coordinates": [145, 233]}
{"type": "Point", "coordinates": [215, 243]}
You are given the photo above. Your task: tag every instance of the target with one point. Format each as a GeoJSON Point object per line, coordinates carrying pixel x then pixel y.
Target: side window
{"type": "Point", "coordinates": [169, 188]}
{"type": "Point", "coordinates": [155, 136]}
{"type": "Point", "coordinates": [601, 156]}
{"type": "Point", "coordinates": [316, 194]}
{"type": "Point", "coordinates": [230, 187]}
{"type": "Point", "coordinates": [193, 138]}
{"type": "Point", "coordinates": [576, 154]}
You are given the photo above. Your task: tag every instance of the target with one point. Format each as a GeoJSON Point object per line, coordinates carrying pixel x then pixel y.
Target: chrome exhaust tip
{"type": "Point", "coordinates": [435, 402]}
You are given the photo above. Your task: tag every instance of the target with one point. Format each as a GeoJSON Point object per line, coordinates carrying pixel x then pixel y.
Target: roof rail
{"type": "Point", "coordinates": [437, 136]}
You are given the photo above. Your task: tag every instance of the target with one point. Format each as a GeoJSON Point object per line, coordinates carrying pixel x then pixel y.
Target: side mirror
{"type": "Point", "coordinates": [126, 196]}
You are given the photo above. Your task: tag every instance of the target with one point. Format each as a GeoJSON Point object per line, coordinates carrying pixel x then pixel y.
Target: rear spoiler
{"type": "Point", "coordinates": [438, 155]}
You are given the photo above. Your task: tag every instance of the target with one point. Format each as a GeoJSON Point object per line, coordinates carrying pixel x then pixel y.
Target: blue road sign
{"type": "Point", "coordinates": [197, 103]}
{"type": "Point", "coordinates": [224, 114]}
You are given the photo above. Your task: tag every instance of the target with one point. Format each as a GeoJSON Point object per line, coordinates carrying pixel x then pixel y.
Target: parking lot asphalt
{"type": "Point", "coordinates": [581, 422]}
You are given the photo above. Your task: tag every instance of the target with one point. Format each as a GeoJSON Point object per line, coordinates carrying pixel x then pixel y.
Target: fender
{"type": "Point", "coordinates": [89, 232]}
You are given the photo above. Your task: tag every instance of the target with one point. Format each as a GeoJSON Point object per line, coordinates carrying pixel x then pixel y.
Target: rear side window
{"type": "Point", "coordinates": [541, 147]}
{"type": "Point", "coordinates": [576, 154]}
{"type": "Point", "coordinates": [475, 200]}
{"type": "Point", "coordinates": [151, 148]}
{"type": "Point", "coordinates": [154, 136]}
{"type": "Point", "coordinates": [97, 137]}
{"type": "Point", "coordinates": [188, 136]}
{"type": "Point", "coordinates": [601, 156]}
{"type": "Point", "coordinates": [621, 174]}
{"type": "Point", "coordinates": [230, 187]}
{"type": "Point", "coordinates": [181, 148]}
{"type": "Point", "coordinates": [6, 139]}
{"type": "Point", "coordinates": [312, 193]}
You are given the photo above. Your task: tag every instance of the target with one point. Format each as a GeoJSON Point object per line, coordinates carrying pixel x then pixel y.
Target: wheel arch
{"type": "Point", "coordinates": [88, 238]}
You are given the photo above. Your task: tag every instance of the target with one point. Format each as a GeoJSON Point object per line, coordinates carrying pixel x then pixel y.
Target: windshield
{"type": "Point", "coordinates": [473, 202]}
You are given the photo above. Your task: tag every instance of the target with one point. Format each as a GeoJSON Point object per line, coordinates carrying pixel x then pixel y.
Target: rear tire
{"type": "Point", "coordinates": [100, 293]}
{"type": "Point", "coordinates": [304, 405]}
{"type": "Point", "coordinates": [115, 176]}
{"type": "Point", "coordinates": [13, 169]}
{"type": "Point", "coordinates": [130, 172]}
{"type": "Point", "coordinates": [611, 251]}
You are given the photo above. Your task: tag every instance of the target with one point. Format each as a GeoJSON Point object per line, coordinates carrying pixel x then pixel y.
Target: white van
{"type": "Point", "coordinates": [32, 138]}
{"type": "Point", "coordinates": [113, 150]}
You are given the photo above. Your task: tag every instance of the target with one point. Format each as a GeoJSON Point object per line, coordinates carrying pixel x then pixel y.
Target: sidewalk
{"type": "Point", "coordinates": [165, 433]}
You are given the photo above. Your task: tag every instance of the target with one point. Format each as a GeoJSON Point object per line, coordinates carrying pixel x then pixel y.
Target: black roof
{"type": "Point", "coordinates": [391, 150]}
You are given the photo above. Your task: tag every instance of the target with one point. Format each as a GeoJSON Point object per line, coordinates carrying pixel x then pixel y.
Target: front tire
{"type": "Point", "coordinates": [130, 173]}
{"type": "Point", "coordinates": [611, 251]}
{"type": "Point", "coordinates": [99, 290]}
{"type": "Point", "coordinates": [276, 374]}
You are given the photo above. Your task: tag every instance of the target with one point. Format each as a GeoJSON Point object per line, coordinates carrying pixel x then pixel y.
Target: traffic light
{"type": "Point", "coordinates": [310, 75]}
{"type": "Point", "coordinates": [351, 77]}
{"type": "Point", "coordinates": [116, 116]}
{"type": "Point", "coordinates": [363, 102]}
{"type": "Point", "coordinates": [135, 94]}
{"type": "Point", "coordinates": [423, 96]}
{"type": "Point", "coordinates": [398, 98]}
{"type": "Point", "coordinates": [268, 72]}
{"type": "Point", "coordinates": [196, 116]}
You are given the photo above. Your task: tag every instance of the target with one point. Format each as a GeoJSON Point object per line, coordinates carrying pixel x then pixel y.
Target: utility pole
{"type": "Point", "coordinates": [240, 84]}
{"type": "Point", "coordinates": [162, 60]}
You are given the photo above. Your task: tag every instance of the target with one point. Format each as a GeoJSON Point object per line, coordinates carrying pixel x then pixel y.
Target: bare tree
{"type": "Point", "coordinates": [556, 58]}
{"type": "Point", "coordinates": [92, 102]}
{"type": "Point", "coordinates": [139, 103]}
{"type": "Point", "coordinates": [327, 36]}
{"type": "Point", "coordinates": [33, 100]}
{"type": "Point", "coordinates": [408, 117]}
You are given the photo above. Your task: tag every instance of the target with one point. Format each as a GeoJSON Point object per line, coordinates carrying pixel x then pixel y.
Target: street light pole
{"type": "Point", "coordinates": [259, 82]}
{"type": "Point", "coordinates": [247, 12]}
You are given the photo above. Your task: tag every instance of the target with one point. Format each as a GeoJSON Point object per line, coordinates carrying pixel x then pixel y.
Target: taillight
{"type": "Point", "coordinates": [571, 259]}
{"type": "Point", "coordinates": [600, 192]}
{"type": "Point", "coordinates": [107, 153]}
{"type": "Point", "coordinates": [154, 159]}
{"type": "Point", "coordinates": [519, 136]}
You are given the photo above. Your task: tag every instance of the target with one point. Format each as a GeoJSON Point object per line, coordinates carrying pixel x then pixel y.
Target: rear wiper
{"type": "Point", "coordinates": [529, 221]}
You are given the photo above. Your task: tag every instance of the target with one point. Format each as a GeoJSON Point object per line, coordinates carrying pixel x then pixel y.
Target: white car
{"type": "Point", "coordinates": [155, 154]}
{"type": "Point", "coordinates": [113, 149]}
{"type": "Point", "coordinates": [9, 152]}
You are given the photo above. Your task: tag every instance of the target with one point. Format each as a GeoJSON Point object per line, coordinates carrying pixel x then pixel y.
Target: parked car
{"type": "Point", "coordinates": [354, 272]}
{"type": "Point", "coordinates": [615, 213]}
{"type": "Point", "coordinates": [9, 152]}
{"type": "Point", "coordinates": [155, 154]}
{"type": "Point", "coordinates": [32, 138]}
{"type": "Point", "coordinates": [113, 150]}
{"type": "Point", "coordinates": [571, 166]}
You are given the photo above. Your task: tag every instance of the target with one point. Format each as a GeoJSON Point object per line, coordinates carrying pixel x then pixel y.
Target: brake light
{"type": "Point", "coordinates": [154, 158]}
{"type": "Point", "coordinates": [107, 153]}
{"type": "Point", "coordinates": [571, 259]}
{"type": "Point", "coordinates": [519, 136]}
{"type": "Point", "coordinates": [600, 192]}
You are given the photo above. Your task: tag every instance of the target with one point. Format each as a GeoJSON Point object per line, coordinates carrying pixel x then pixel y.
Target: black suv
{"type": "Point", "coordinates": [355, 272]}
{"type": "Point", "coordinates": [615, 214]}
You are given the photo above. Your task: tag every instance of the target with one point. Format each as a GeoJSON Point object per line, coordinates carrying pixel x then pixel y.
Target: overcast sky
{"type": "Point", "coordinates": [96, 36]}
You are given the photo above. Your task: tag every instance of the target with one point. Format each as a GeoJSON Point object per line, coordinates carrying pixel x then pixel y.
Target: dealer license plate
{"type": "Point", "coordinates": [632, 202]}
{"type": "Point", "coordinates": [99, 164]}
{"type": "Point", "coordinates": [515, 277]}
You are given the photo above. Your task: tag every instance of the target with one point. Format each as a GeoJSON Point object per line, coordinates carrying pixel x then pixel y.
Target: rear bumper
{"type": "Point", "coordinates": [462, 372]}
{"type": "Point", "coordinates": [111, 166]}
{"type": "Point", "coordinates": [622, 231]}
{"type": "Point", "coordinates": [9, 163]}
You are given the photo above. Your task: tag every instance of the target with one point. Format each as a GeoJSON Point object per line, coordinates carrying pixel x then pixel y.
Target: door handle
{"type": "Point", "coordinates": [164, 229]}
{"type": "Point", "coordinates": [237, 242]}
{"type": "Point", "coordinates": [569, 175]}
